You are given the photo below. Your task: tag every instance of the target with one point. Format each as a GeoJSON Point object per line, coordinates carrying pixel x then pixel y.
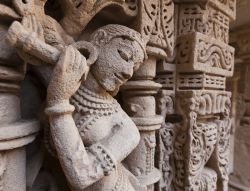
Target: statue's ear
{"type": "Point", "coordinates": [100, 37]}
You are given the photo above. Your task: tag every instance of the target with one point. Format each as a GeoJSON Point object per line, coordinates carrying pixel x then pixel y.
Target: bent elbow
{"type": "Point", "coordinates": [82, 174]}
{"type": "Point", "coordinates": [77, 186]}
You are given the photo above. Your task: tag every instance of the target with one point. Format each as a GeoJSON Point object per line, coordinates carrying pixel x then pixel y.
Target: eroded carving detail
{"type": "Point", "coordinates": [83, 61]}
{"type": "Point", "coordinates": [208, 146]}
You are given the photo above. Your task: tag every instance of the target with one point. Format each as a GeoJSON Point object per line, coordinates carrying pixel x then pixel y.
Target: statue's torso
{"type": "Point", "coordinates": [96, 124]}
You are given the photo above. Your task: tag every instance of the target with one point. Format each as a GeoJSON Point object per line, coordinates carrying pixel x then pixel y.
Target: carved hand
{"type": "Point", "coordinates": [35, 29]}
{"type": "Point", "coordinates": [67, 76]}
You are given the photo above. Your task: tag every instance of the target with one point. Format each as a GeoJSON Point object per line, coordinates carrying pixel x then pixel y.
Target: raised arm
{"type": "Point", "coordinates": [82, 167]}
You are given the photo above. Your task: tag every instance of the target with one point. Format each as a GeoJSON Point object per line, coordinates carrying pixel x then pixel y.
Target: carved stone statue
{"type": "Point", "coordinates": [92, 143]}
{"type": "Point", "coordinates": [172, 129]}
{"type": "Point", "coordinates": [88, 134]}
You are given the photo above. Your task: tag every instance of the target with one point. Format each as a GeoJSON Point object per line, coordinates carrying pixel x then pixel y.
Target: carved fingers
{"type": "Point", "coordinates": [67, 75]}
{"type": "Point", "coordinates": [31, 24]}
{"type": "Point", "coordinates": [72, 64]}
{"type": "Point", "coordinates": [23, 35]}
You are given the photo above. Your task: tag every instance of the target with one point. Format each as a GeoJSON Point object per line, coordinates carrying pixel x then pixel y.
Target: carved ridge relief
{"type": "Point", "coordinates": [198, 81]}
{"type": "Point", "coordinates": [206, 20]}
{"type": "Point", "coordinates": [207, 141]}
{"type": "Point", "coordinates": [208, 55]}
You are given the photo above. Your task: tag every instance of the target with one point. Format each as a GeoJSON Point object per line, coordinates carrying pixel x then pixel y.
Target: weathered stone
{"type": "Point", "coordinates": [166, 62]}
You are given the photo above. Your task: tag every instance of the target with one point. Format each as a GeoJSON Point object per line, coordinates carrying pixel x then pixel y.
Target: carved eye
{"type": "Point", "coordinates": [125, 55]}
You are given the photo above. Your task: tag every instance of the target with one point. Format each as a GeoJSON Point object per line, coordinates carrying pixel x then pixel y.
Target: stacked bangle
{"type": "Point", "coordinates": [106, 159]}
{"type": "Point", "coordinates": [60, 108]}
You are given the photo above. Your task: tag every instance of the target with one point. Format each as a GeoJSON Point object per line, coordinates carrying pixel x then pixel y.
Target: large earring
{"type": "Point", "coordinates": [100, 37]}
{"type": "Point", "coordinates": [88, 50]}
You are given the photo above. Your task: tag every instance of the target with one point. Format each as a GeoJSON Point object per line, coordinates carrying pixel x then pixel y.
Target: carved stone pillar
{"type": "Point", "coordinates": [204, 61]}
{"type": "Point", "coordinates": [139, 103]}
{"type": "Point", "coordinates": [15, 133]}
{"type": "Point", "coordinates": [166, 135]}
{"type": "Point", "coordinates": [156, 24]}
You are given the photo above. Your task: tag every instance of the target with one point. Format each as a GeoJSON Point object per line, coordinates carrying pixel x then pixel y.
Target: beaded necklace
{"type": "Point", "coordinates": [91, 107]}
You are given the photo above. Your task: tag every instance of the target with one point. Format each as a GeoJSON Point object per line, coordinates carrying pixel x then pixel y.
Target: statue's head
{"type": "Point", "coordinates": [121, 51]}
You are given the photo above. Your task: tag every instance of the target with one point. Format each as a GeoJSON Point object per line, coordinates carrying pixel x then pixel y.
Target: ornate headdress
{"type": "Point", "coordinates": [111, 31]}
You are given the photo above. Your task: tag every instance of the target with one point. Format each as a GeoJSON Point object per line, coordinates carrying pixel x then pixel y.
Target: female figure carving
{"type": "Point", "coordinates": [91, 133]}
{"type": "Point", "coordinates": [92, 141]}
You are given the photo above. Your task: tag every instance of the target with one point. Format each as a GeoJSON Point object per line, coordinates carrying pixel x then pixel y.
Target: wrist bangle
{"type": "Point", "coordinates": [60, 108]}
{"type": "Point", "coordinates": [108, 163]}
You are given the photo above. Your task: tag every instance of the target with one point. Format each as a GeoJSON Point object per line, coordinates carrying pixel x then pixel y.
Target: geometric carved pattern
{"type": "Point", "coordinates": [198, 81]}
{"type": "Point", "coordinates": [210, 22]}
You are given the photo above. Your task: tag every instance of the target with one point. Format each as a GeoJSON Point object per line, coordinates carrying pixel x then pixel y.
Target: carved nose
{"type": "Point", "coordinates": [126, 75]}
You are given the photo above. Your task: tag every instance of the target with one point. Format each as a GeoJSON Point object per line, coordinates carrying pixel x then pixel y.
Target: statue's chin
{"type": "Point", "coordinates": [114, 92]}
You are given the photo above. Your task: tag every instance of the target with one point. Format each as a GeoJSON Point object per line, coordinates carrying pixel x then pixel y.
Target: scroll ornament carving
{"type": "Point", "coordinates": [207, 141]}
{"type": "Point", "coordinates": [209, 55]}
{"type": "Point", "coordinates": [215, 56]}
{"type": "Point", "coordinates": [167, 135]}
{"type": "Point", "coordinates": [156, 24]}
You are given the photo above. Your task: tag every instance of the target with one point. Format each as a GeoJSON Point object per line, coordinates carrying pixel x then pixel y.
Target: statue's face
{"type": "Point", "coordinates": [117, 61]}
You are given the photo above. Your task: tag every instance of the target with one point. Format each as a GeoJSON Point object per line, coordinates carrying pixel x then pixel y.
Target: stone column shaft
{"type": "Point", "coordinates": [203, 62]}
